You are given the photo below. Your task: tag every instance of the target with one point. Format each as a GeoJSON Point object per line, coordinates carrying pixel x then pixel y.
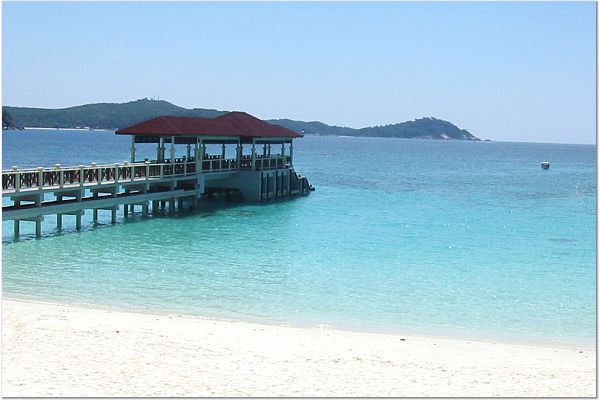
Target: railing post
{"type": "Point", "coordinates": [81, 174]}
{"type": "Point", "coordinates": [95, 170]}
{"type": "Point", "coordinates": [61, 176]}
{"type": "Point", "coordinates": [40, 177]}
{"type": "Point", "coordinates": [116, 172]}
{"type": "Point", "coordinates": [17, 178]}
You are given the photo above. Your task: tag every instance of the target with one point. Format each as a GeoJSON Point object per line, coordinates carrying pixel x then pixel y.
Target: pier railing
{"type": "Point", "coordinates": [59, 177]}
{"type": "Point", "coordinates": [16, 178]}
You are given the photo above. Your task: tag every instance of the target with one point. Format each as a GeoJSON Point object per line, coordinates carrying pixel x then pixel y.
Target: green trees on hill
{"type": "Point", "coordinates": [7, 121]}
{"type": "Point", "coordinates": [119, 115]}
{"type": "Point", "coordinates": [423, 128]}
{"type": "Point", "coordinates": [102, 115]}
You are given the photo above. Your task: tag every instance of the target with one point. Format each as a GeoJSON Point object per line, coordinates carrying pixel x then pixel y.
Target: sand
{"type": "Point", "coordinates": [59, 350]}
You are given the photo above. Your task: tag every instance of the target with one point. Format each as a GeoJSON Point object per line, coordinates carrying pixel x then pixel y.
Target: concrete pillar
{"type": "Point", "coordinates": [172, 149]}
{"type": "Point", "coordinates": [113, 216]}
{"type": "Point", "coordinates": [239, 149]}
{"type": "Point", "coordinates": [78, 220]}
{"type": "Point", "coordinates": [132, 149]}
{"type": "Point", "coordinates": [94, 215]}
{"type": "Point", "coordinates": [38, 227]}
{"type": "Point", "coordinates": [158, 149]}
{"type": "Point", "coordinates": [17, 226]}
{"type": "Point", "coordinates": [59, 216]}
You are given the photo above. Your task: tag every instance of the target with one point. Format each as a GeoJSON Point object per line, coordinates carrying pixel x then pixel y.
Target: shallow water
{"type": "Point", "coordinates": [463, 239]}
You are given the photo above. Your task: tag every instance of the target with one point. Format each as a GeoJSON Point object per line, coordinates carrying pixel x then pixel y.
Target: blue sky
{"type": "Point", "coordinates": [504, 71]}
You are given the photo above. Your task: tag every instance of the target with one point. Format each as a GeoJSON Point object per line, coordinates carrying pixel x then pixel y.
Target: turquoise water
{"type": "Point", "coordinates": [461, 239]}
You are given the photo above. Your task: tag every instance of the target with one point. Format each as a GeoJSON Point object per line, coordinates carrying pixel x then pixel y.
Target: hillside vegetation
{"type": "Point", "coordinates": [119, 115]}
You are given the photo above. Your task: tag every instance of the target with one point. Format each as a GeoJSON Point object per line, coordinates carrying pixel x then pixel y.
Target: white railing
{"type": "Point", "coordinates": [58, 176]}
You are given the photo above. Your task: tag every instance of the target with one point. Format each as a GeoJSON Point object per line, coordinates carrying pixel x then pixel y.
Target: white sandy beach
{"type": "Point", "coordinates": [58, 350]}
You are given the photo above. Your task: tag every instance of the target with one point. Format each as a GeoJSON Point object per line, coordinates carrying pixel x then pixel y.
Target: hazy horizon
{"type": "Point", "coordinates": [504, 71]}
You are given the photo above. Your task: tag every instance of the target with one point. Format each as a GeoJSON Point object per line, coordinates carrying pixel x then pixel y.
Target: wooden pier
{"type": "Point", "coordinates": [152, 185]}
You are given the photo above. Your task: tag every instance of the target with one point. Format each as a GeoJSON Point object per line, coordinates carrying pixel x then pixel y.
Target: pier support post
{"type": "Point", "coordinates": [17, 226]}
{"type": "Point", "coordinates": [78, 220]}
{"type": "Point", "coordinates": [154, 206]}
{"type": "Point", "coordinates": [125, 211]}
{"type": "Point", "coordinates": [59, 221]}
{"type": "Point", "coordinates": [163, 204]}
{"type": "Point", "coordinates": [94, 215]}
{"type": "Point", "coordinates": [145, 209]}
{"type": "Point", "coordinates": [38, 227]}
{"type": "Point", "coordinates": [172, 204]}
{"type": "Point", "coordinates": [113, 216]}
{"type": "Point", "coordinates": [180, 203]}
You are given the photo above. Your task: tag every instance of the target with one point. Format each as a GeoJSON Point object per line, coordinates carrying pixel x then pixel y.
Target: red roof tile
{"type": "Point", "coordinates": [230, 124]}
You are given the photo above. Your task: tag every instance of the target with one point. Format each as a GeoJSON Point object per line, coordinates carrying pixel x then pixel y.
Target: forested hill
{"type": "Point", "coordinates": [102, 115]}
{"type": "Point", "coordinates": [423, 128]}
{"type": "Point", "coordinates": [118, 115]}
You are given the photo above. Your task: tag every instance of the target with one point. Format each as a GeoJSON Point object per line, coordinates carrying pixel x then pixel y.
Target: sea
{"type": "Point", "coordinates": [460, 239]}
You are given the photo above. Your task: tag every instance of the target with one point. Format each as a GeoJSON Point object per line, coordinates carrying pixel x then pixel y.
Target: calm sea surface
{"type": "Point", "coordinates": [462, 239]}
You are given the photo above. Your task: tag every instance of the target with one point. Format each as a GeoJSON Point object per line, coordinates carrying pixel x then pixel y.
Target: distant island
{"type": "Point", "coordinates": [118, 115]}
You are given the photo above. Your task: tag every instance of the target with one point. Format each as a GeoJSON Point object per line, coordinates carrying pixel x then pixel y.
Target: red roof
{"type": "Point", "coordinates": [230, 124]}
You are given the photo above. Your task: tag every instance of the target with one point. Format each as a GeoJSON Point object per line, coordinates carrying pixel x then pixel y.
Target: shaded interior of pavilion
{"type": "Point", "coordinates": [214, 153]}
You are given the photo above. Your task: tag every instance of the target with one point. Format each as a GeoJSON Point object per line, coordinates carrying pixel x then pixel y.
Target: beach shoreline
{"type": "Point", "coordinates": [308, 325]}
{"type": "Point", "coordinates": [51, 349]}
